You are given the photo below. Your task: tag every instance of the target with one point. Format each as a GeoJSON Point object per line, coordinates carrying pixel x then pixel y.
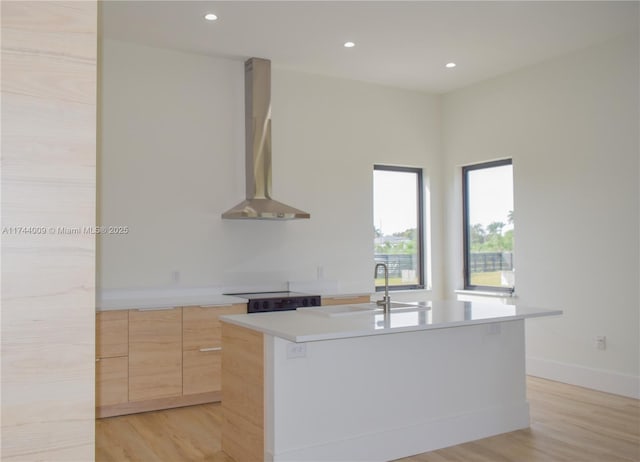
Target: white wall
{"type": "Point", "coordinates": [571, 127]}
{"type": "Point", "coordinates": [172, 160]}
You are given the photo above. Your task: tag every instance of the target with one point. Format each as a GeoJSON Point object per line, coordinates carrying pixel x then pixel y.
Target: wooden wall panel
{"type": "Point", "coordinates": [49, 71]}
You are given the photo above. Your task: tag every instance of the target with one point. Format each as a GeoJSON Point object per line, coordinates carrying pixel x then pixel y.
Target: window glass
{"type": "Point", "coordinates": [488, 225]}
{"type": "Point", "coordinates": [397, 223]}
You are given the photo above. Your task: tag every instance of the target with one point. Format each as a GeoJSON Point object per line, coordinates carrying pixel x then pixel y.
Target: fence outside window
{"type": "Point", "coordinates": [480, 262]}
{"type": "Point", "coordinates": [484, 262]}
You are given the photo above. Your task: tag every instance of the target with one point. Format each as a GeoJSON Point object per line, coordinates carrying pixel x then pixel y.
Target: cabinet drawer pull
{"type": "Point", "coordinates": [157, 309]}
{"type": "Point", "coordinates": [211, 349]}
{"type": "Point", "coordinates": [215, 305]}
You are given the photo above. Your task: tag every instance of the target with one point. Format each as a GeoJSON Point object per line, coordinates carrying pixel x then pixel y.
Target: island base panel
{"type": "Point", "coordinates": [384, 397]}
{"type": "Point", "coordinates": [242, 393]}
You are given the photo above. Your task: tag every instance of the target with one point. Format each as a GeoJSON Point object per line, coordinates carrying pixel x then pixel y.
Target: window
{"type": "Point", "coordinates": [398, 223]}
{"type": "Point", "coordinates": [488, 226]}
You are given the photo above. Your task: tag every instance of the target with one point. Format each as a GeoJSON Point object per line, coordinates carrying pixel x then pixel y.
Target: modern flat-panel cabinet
{"type": "Point", "coordinates": [202, 347]}
{"type": "Point", "coordinates": [112, 362]}
{"type": "Point", "coordinates": [149, 359]}
{"type": "Point", "coordinates": [155, 353]}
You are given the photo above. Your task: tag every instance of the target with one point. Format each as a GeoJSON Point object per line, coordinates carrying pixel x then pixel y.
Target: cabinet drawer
{"type": "Point", "coordinates": [112, 376]}
{"type": "Point", "coordinates": [201, 325]}
{"type": "Point", "coordinates": [155, 354]}
{"type": "Point", "coordinates": [112, 334]}
{"type": "Point", "coordinates": [201, 371]}
{"type": "Point", "coordinates": [346, 300]}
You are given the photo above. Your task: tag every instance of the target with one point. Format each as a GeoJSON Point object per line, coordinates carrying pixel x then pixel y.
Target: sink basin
{"type": "Point", "coordinates": [410, 306]}
{"type": "Point", "coordinates": [363, 308]}
{"type": "Point", "coordinates": [341, 310]}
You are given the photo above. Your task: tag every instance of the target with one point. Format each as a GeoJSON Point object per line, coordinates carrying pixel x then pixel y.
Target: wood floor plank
{"type": "Point", "coordinates": [568, 424]}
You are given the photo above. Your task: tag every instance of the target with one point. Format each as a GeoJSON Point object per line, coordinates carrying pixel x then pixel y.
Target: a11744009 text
{"type": "Point", "coordinates": [64, 230]}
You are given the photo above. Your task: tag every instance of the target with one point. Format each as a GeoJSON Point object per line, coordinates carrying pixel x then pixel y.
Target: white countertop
{"type": "Point", "coordinates": [164, 300]}
{"type": "Point", "coordinates": [124, 299]}
{"type": "Point", "coordinates": [334, 322]}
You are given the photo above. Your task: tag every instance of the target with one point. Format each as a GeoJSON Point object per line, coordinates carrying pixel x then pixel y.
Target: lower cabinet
{"type": "Point", "coordinates": [202, 347]}
{"type": "Point", "coordinates": [112, 361]}
{"type": "Point", "coordinates": [201, 371]}
{"type": "Point", "coordinates": [150, 359]}
{"type": "Point", "coordinates": [112, 381]}
{"type": "Point", "coordinates": [155, 353]}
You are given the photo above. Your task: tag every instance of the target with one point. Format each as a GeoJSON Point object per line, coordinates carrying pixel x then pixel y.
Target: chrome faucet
{"type": "Point", "coordinates": [386, 301]}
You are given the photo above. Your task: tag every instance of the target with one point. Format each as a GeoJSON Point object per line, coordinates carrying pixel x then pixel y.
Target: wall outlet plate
{"type": "Point", "coordinates": [296, 350]}
{"type": "Point", "coordinates": [493, 328]}
{"type": "Point", "coordinates": [601, 342]}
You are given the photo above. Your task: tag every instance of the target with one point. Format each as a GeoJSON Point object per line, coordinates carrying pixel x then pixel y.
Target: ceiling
{"type": "Point", "coordinates": [398, 43]}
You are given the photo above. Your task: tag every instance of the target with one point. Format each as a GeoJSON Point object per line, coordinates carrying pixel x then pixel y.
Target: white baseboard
{"type": "Point", "coordinates": [415, 439]}
{"type": "Point", "coordinates": [597, 379]}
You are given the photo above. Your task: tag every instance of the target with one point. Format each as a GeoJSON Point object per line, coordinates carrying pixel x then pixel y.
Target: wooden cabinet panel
{"type": "Point", "coordinates": [201, 371]}
{"type": "Point", "coordinates": [202, 344]}
{"type": "Point", "coordinates": [112, 381]}
{"type": "Point", "coordinates": [112, 334]}
{"type": "Point", "coordinates": [201, 325]}
{"type": "Point", "coordinates": [243, 395]}
{"type": "Point", "coordinates": [346, 300]}
{"type": "Point", "coordinates": [155, 353]}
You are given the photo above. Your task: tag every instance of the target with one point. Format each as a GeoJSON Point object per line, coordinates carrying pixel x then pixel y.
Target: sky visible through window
{"type": "Point", "coordinates": [393, 213]}
{"type": "Point", "coordinates": [491, 195]}
{"type": "Point", "coordinates": [394, 201]}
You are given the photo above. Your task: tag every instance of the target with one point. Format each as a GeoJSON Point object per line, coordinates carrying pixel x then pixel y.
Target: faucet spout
{"type": "Point", "coordinates": [386, 300]}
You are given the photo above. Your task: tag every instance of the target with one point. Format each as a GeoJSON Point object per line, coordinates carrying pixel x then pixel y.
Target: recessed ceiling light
{"type": "Point", "coordinates": [349, 44]}
{"type": "Point", "coordinates": [210, 17]}
{"type": "Point", "coordinates": [450, 65]}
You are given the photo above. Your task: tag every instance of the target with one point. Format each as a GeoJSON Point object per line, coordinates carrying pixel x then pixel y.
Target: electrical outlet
{"type": "Point", "coordinates": [601, 342]}
{"type": "Point", "coordinates": [175, 276]}
{"type": "Point", "coordinates": [493, 328]}
{"type": "Point", "coordinates": [296, 350]}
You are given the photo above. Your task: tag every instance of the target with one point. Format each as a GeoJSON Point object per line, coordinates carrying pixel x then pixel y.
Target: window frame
{"type": "Point", "coordinates": [465, 226]}
{"type": "Point", "coordinates": [420, 225]}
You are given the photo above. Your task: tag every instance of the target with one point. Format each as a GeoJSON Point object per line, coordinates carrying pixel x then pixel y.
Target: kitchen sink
{"type": "Point", "coordinates": [363, 308]}
{"type": "Point", "coordinates": [341, 310]}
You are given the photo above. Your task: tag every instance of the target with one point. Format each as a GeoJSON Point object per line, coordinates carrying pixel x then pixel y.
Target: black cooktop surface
{"type": "Point", "coordinates": [260, 302]}
{"type": "Point", "coordinates": [264, 295]}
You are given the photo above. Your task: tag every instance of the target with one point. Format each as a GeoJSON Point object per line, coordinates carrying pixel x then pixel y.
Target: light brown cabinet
{"type": "Point", "coordinates": [149, 359]}
{"type": "Point", "coordinates": [202, 347]}
{"type": "Point", "coordinates": [112, 349]}
{"type": "Point", "coordinates": [346, 300]}
{"type": "Point", "coordinates": [155, 354]}
{"type": "Point", "coordinates": [112, 381]}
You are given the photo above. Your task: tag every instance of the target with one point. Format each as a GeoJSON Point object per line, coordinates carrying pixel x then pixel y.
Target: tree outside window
{"type": "Point", "coordinates": [398, 225]}
{"type": "Point", "coordinates": [488, 226]}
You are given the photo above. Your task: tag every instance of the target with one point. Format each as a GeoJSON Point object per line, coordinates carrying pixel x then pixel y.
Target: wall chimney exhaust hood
{"type": "Point", "coordinates": [257, 104]}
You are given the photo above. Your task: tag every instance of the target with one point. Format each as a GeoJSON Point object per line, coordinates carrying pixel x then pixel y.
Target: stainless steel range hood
{"type": "Point", "coordinates": [257, 103]}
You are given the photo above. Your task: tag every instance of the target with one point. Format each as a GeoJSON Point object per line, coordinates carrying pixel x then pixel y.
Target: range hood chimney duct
{"type": "Point", "coordinates": [257, 104]}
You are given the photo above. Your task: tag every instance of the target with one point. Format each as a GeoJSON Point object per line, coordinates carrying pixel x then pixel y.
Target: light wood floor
{"type": "Point", "coordinates": [568, 423]}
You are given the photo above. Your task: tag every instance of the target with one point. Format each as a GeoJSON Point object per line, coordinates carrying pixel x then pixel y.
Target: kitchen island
{"type": "Point", "coordinates": [349, 383]}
